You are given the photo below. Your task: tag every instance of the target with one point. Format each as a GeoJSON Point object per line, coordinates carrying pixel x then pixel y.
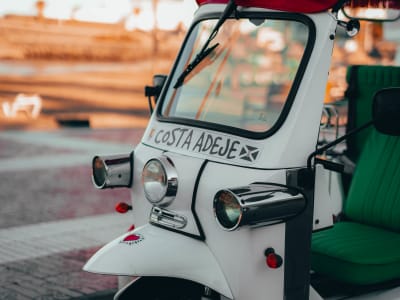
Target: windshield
{"type": "Point", "coordinates": [244, 82]}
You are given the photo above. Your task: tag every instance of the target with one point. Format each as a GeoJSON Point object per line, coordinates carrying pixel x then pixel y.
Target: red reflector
{"type": "Point", "coordinates": [122, 207]}
{"type": "Point", "coordinates": [131, 238]}
{"type": "Point", "coordinates": [132, 227]}
{"type": "Point", "coordinates": [272, 259]}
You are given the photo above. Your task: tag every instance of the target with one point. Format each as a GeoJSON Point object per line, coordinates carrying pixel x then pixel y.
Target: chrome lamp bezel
{"type": "Point", "coordinates": [170, 182]}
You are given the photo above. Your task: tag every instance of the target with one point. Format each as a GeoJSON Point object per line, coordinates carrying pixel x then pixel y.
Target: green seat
{"type": "Point", "coordinates": [363, 82]}
{"type": "Point", "coordinates": [365, 249]}
{"type": "Point", "coordinates": [357, 253]}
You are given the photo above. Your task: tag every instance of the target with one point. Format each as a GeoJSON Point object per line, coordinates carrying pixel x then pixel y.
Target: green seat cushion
{"type": "Point", "coordinates": [356, 253]}
{"type": "Point", "coordinates": [374, 195]}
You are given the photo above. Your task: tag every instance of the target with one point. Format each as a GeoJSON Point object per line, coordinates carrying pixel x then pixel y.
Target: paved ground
{"type": "Point", "coordinates": [51, 218]}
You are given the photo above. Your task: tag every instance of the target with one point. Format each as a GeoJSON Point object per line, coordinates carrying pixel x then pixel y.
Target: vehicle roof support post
{"type": "Point", "coordinates": [298, 239]}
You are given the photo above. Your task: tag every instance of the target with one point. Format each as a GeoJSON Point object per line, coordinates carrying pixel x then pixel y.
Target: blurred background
{"type": "Point", "coordinates": [72, 77]}
{"type": "Point", "coordinates": [87, 60]}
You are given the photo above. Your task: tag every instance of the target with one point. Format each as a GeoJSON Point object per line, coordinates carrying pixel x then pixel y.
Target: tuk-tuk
{"type": "Point", "coordinates": [234, 193]}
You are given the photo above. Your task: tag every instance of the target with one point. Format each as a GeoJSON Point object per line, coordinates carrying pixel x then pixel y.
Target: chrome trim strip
{"type": "Point", "coordinates": [167, 218]}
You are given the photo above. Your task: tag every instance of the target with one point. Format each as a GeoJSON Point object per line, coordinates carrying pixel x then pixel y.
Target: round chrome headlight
{"type": "Point", "coordinates": [227, 210]}
{"type": "Point", "coordinates": [160, 181]}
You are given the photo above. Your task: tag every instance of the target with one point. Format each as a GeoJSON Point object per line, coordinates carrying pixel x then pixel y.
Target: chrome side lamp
{"type": "Point", "coordinates": [112, 171]}
{"type": "Point", "coordinates": [257, 204]}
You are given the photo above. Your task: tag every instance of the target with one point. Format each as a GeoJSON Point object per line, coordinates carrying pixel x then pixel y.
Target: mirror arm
{"type": "Point", "coordinates": [151, 91]}
{"type": "Point", "coordinates": [335, 142]}
{"type": "Point", "coordinates": [338, 6]}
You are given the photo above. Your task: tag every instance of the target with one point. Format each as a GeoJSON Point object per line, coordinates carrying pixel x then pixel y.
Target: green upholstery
{"type": "Point", "coordinates": [366, 248]}
{"type": "Point", "coordinates": [364, 81]}
{"type": "Point", "coordinates": [374, 195]}
{"type": "Point", "coordinates": [356, 253]}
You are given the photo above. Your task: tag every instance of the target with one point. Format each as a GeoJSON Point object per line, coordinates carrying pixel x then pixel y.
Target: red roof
{"type": "Point", "coordinates": [301, 6]}
{"type": "Point", "coordinates": [306, 6]}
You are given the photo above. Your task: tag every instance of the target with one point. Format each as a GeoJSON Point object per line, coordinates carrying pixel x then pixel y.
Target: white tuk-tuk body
{"type": "Point", "coordinates": [182, 238]}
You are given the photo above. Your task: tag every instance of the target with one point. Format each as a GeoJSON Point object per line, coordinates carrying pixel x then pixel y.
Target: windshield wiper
{"type": "Point", "coordinates": [198, 59]}
{"type": "Point", "coordinates": [206, 50]}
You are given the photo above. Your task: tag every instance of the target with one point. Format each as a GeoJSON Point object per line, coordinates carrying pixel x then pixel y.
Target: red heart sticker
{"type": "Point", "coordinates": [132, 239]}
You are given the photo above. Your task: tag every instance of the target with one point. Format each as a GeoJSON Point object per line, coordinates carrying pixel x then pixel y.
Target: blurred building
{"type": "Point", "coordinates": [100, 30]}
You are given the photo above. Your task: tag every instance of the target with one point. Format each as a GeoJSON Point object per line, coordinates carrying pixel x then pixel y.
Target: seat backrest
{"type": "Point", "coordinates": [363, 82]}
{"type": "Point", "coordinates": [374, 195]}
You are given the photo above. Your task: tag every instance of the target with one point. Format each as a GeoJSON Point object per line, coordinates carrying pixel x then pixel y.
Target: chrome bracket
{"type": "Point", "coordinates": [167, 218]}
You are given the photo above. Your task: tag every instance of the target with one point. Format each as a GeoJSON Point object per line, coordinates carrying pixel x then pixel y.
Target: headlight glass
{"type": "Point", "coordinates": [99, 171]}
{"type": "Point", "coordinates": [154, 181]}
{"type": "Point", "coordinates": [227, 210]}
{"type": "Point", "coordinates": [159, 181]}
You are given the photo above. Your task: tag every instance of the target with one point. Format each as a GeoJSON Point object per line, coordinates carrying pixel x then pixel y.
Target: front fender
{"type": "Point", "coordinates": [152, 251]}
